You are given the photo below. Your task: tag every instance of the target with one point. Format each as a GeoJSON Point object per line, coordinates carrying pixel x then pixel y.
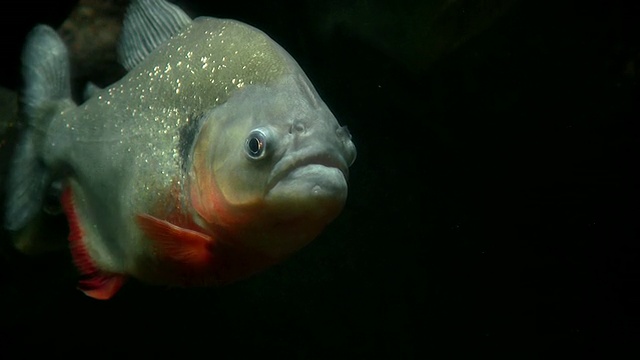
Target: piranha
{"type": "Point", "coordinates": [213, 158]}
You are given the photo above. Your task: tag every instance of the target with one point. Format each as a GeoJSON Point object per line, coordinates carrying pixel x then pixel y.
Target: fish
{"type": "Point", "coordinates": [212, 159]}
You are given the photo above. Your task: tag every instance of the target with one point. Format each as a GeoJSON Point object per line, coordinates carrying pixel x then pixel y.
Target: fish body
{"type": "Point", "coordinates": [213, 158]}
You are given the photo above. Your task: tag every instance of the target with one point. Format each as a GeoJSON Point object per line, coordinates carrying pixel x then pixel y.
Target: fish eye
{"type": "Point", "coordinates": [255, 145]}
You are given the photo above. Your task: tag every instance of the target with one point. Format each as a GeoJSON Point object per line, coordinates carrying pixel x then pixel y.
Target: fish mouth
{"type": "Point", "coordinates": [291, 164]}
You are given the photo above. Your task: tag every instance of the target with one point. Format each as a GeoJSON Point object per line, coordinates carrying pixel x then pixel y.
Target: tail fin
{"type": "Point", "coordinates": [45, 67]}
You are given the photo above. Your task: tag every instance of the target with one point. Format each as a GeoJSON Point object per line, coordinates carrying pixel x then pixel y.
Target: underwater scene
{"type": "Point", "coordinates": [320, 179]}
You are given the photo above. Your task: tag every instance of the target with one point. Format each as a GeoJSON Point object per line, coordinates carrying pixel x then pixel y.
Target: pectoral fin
{"type": "Point", "coordinates": [187, 249]}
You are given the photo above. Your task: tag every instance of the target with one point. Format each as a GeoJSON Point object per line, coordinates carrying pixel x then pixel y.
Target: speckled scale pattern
{"type": "Point", "coordinates": [124, 143]}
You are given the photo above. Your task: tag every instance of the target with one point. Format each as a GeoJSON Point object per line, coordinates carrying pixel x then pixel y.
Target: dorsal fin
{"type": "Point", "coordinates": [147, 24]}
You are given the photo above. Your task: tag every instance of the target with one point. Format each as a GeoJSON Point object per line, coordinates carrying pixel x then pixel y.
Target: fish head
{"type": "Point", "coordinates": [271, 166]}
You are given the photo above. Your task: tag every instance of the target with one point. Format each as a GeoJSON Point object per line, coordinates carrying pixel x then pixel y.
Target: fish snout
{"type": "Point", "coordinates": [338, 138]}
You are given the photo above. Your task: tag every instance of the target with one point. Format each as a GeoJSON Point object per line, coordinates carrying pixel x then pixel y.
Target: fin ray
{"type": "Point", "coordinates": [184, 247]}
{"type": "Point", "coordinates": [95, 283]}
{"type": "Point", "coordinates": [45, 67]}
{"type": "Point", "coordinates": [26, 184]}
{"type": "Point", "coordinates": [147, 24]}
{"type": "Point", "coordinates": [46, 70]}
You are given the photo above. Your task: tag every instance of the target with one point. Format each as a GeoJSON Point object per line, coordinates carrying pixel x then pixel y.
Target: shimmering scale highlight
{"type": "Point", "coordinates": [134, 126]}
{"type": "Point", "coordinates": [158, 169]}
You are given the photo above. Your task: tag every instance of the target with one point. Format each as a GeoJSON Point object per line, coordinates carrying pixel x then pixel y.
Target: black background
{"type": "Point", "coordinates": [493, 207]}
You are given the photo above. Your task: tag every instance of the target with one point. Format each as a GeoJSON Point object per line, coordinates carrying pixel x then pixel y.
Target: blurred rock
{"type": "Point", "coordinates": [91, 33]}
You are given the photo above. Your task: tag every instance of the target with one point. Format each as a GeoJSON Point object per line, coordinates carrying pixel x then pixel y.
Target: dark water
{"type": "Point", "coordinates": [492, 209]}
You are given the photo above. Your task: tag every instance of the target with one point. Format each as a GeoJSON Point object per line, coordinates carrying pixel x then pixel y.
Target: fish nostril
{"type": "Point", "coordinates": [343, 133]}
{"type": "Point", "coordinates": [297, 127]}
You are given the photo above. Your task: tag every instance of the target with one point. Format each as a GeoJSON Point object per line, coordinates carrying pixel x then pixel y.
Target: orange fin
{"type": "Point", "coordinates": [187, 248]}
{"type": "Point", "coordinates": [95, 283]}
{"type": "Point", "coordinates": [101, 286]}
